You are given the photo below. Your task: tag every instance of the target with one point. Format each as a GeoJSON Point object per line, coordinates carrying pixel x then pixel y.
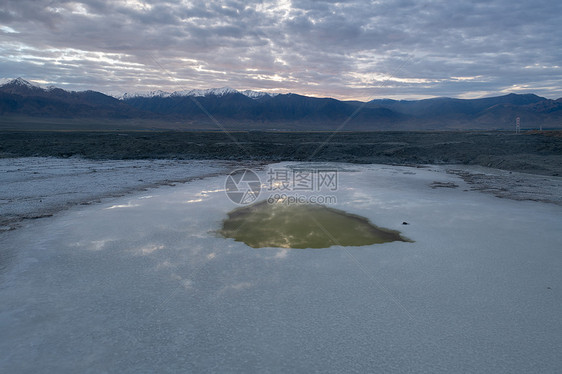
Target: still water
{"type": "Point", "coordinates": [302, 226]}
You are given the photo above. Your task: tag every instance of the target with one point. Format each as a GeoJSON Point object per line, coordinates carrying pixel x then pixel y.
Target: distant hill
{"type": "Point", "coordinates": [236, 108]}
{"type": "Point", "coordinates": [258, 110]}
{"type": "Point", "coordinates": [488, 113]}
{"type": "Point", "coordinates": [23, 98]}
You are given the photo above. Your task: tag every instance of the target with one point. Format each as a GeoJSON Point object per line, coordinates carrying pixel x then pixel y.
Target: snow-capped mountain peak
{"type": "Point", "coordinates": [195, 93]}
{"type": "Point", "coordinates": [156, 93]}
{"type": "Point", "coordinates": [52, 88]}
{"type": "Point", "coordinates": [257, 94]}
{"type": "Point", "coordinates": [211, 91]}
{"type": "Point", "coordinates": [18, 82]}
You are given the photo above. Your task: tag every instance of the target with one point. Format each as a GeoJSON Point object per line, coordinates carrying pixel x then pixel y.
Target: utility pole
{"type": "Point", "coordinates": [518, 125]}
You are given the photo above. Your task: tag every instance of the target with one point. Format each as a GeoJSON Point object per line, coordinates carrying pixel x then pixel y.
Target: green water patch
{"type": "Point", "coordinates": [302, 226]}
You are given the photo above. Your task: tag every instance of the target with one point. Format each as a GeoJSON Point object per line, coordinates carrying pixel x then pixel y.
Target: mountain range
{"type": "Point", "coordinates": [243, 110]}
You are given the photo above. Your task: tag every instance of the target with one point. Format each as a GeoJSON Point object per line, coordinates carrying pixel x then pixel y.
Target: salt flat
{"type": "Point", "coordinates": [143, 283]}
{"type": "Point", "coordinates": [34, 187]}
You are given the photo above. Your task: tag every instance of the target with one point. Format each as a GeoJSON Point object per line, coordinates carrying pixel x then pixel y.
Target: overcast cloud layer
{"type": "Point", "coordinates": [348, 50]}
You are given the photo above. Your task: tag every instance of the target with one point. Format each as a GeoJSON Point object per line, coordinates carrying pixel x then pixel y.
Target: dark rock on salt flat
{"type": "Point", "coordinates": [536, 153]}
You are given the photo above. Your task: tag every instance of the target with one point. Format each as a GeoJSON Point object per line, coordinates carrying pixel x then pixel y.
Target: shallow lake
{"type": "Point", "coordinates": [302, 226]}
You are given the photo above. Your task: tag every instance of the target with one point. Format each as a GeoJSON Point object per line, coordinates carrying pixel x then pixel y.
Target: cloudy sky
{"type": "Point", "coordinates": [348, 50]}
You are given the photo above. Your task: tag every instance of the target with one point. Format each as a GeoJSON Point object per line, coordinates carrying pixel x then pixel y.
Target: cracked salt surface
{"type": "Point", "coordinates": [36, 187]}
{"type": "Point", "coordinates": [143, 284]}
{"type": "Point", "coordinates": [510, 185]}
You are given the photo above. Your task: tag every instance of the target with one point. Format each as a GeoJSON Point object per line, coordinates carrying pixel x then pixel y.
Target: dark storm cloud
{"type": "Point", "coordinates": [352, 49]}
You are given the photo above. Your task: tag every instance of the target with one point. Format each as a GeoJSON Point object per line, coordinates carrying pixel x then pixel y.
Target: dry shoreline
{"type": "Point", "coordinates": [40, 187]}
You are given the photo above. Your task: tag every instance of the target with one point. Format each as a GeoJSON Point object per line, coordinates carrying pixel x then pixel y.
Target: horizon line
{"type": "Point", "coordinates": [119, 94]}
